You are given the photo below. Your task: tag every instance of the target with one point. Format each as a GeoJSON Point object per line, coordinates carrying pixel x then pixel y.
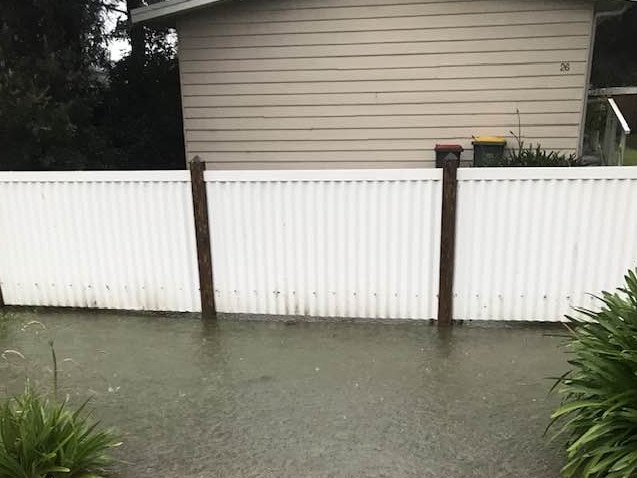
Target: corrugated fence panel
{"type": "Point", "coordinates": [326, 243]}
{"type": "Point", "coordinates": [115, 240]}
{"type": "Point", "coordinates": [531, 243]}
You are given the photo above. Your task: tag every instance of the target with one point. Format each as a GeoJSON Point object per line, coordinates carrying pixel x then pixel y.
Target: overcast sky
{"type": "Point", "coordinates": [117, 48]}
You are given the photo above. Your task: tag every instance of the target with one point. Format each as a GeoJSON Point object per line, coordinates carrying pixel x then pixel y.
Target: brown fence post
{"type": "Point", "coordinates": [447, 239]}
{"type": "Point", "coordinates": [202, 234]}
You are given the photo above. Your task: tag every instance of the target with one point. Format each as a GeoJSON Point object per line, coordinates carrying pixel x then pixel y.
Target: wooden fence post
{"type": "Point", "coordinates": [202, 234]}
{"type": "Point", "coordinates": [447, 239]}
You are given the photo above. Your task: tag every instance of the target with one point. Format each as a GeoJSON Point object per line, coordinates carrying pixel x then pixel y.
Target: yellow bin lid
{"type": "Point", "coordinates": [489, 139]}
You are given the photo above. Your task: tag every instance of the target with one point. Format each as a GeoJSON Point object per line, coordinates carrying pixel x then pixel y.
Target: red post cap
{"type": "Point", "coordinates": [449, 148]}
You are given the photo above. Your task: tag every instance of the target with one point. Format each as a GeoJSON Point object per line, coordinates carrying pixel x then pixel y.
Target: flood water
{"type": "Point", "coordinates": [238, 399]}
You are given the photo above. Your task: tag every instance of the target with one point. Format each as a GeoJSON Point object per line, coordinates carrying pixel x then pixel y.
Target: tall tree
{"type": "Point", "coordinates": [52, 56]}
{"type": "Point", "coordinates": [142, 108]}
{"type": "Point", "coordinates": [136, 34]}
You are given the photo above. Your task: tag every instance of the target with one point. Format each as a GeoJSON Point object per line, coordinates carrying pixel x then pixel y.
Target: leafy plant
{"type": "Point", "coordinates": [45, 438]}
{"type": "Point", "coordinates": [536, 157]}
{"type": "Point", "coordinates": [598, 411]}
{"type": "Point", "coordinates": [40, 438]}
{"type": "Point", "coordinates": [531, 156]}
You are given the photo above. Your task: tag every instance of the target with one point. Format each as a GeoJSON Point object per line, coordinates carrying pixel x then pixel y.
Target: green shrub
{"type": "Point", "coordinates": [537, 157]}
{"type": "Point", "coordinates": [530, 156]}
{"type": "Point", "coordinates": [598, 412]}
{"type": "Point", "coordinates": [40, 438]}
{"type": "Point", "coordinates": [533, 157]}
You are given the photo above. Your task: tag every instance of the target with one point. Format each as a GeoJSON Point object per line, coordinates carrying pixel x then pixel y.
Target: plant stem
{"type": "Point", "coordinates": [55, 370]}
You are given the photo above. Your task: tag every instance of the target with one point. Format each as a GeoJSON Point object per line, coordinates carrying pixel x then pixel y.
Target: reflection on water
{"type": "Point", "coordinates": [238, 399]}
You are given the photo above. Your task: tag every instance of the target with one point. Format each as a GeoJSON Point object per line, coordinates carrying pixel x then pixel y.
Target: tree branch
{"type": "Point", "coordinates": [115, 9]}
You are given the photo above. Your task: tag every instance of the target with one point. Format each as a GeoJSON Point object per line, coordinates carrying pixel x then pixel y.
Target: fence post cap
{"type": "Point", "coordinates": [196, 164]}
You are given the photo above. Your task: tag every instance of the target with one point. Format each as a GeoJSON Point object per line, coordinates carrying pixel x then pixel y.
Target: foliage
{"type": "Point", "coordinates": [141, 114]}
{"type": "Point", "coordinates": [630, 155]}
{"type": "Point", "coordinates": [51, 75]}
{"type": "Point", "coordinates": [595, 115]}
{"type": "Point", "coordinates": [40, 438]}
{"type": "Point", "coordinates": [598, 411]}
{"type": "Point", "coordinates": [64, 105]}
{"type": "Point", "coordinates": [530, 156]}
{"type": "Point", "coordinates": [614, 59]}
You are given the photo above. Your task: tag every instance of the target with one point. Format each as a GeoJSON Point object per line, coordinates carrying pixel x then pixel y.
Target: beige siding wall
{"type": "Point", "coordinates": [377, 83]}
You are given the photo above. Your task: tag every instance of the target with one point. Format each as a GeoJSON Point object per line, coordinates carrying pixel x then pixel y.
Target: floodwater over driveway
{"type": "Point", "coordinates": [238, 399]}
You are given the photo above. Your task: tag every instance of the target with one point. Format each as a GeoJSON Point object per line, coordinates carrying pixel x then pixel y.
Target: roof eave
{"type": "Point", "coordinates": [168, 8]}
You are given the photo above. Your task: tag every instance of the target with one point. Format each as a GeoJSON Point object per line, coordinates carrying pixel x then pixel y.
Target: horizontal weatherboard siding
{"type": "Point", "coordinates": [503, 70]}
{"type": "Point", "coordinates": [362, 109]}
{"type": "Point", "coordinates": [555, 18]}
{"type": "Point", "coordinates": [375, 49]}
{"type": "Point", "coordinates": [365, 83]}
{"type": "Point", "coordinates": [434, 35]}
{"type": "Point", "coordinates": [441, 85]}
{"type": "Point", "coordinates": [319, 145]}
{"type": "Point", "coordinates": [412, 60]}
{"type": "Point", "coordinates": [263, 13]}
{"type": "Point", "coordinates": [374, 121]}
{"type": "Point", "coordinates": [487, 98]}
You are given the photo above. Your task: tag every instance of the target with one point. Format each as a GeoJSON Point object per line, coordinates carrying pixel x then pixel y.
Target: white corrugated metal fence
{"type": "Point", "coordinates": [326, 243]}
{"type": "Point", "coordinates": [114, 240]}
{"type": "Point", "coordinates": [530, 243]}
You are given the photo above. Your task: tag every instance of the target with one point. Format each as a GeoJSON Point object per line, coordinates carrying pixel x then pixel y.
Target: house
{"type": "Point", "coordinates": [376, 83]}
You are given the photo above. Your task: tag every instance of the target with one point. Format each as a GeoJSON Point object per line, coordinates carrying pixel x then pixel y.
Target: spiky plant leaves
{"type": "Point", "coordinates": [598, 411]}
{"type": "Point", "coordinates": [43, 439]}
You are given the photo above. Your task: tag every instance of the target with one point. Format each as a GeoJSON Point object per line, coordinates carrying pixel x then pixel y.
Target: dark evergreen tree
{"type": "Point", "coordinates": [142, 108]}
{"type": "Point", "coordinates": [52, 59]}
{"type": "Point", "coordinates": [63, 105]}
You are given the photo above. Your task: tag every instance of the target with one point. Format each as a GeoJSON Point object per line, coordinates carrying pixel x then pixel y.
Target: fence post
{"type": "Point", "coordinates": [447, 239]}
{"type": "Point", "coordinates": [1, 298]}
{"type": "Point", "coordinates": [202, 234]}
